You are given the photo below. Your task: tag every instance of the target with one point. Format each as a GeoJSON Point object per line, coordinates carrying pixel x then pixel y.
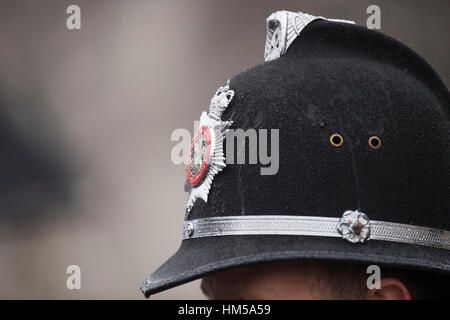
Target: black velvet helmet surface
{"type": "Point", "coordinates": [390, 113]}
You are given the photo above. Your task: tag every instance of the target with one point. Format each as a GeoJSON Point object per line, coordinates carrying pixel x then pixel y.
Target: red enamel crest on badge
{"type": "Point", "coordinates": [199, 154]}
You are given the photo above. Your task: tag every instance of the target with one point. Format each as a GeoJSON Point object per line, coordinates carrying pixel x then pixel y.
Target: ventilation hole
{"type": "Point", "coordinates": [375, 142]}
{"type": "Point", "coordinates": [336, 140]}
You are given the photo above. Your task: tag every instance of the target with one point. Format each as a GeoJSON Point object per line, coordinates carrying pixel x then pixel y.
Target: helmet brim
{"type": "Point", "coordinates": [199, 257]}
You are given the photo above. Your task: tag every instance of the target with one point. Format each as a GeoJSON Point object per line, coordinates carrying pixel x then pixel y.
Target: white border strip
{"type": "Point", "coordinates": [311, 226]}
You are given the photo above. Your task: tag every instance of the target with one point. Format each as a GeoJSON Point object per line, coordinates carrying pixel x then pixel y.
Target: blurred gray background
{"type": "Point", "coordinates": [86, 117]}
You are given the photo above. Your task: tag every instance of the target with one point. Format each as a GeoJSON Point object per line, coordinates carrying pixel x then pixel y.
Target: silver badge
{"type": "Point", "coordinates": [354, 226]}
{"type": "Point", "coordinates": [206, 157]}
{"type": "Point", "coordinates": [282, 29]}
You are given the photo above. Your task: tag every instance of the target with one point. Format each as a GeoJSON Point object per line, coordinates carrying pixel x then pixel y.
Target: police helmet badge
{"type": "Point", "coordinates": [206, 157]}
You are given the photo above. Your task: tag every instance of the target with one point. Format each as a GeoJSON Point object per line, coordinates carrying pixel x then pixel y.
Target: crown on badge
{"type": "Point", "coordinates": [220, 101]}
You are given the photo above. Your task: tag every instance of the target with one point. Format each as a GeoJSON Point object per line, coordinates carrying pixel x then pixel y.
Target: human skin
{"type": "Point", "coordinates": [285, 281]}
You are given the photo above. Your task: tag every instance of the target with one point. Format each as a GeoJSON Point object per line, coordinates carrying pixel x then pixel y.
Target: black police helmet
{"type": "Point", "coordinates": [364, 156]}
